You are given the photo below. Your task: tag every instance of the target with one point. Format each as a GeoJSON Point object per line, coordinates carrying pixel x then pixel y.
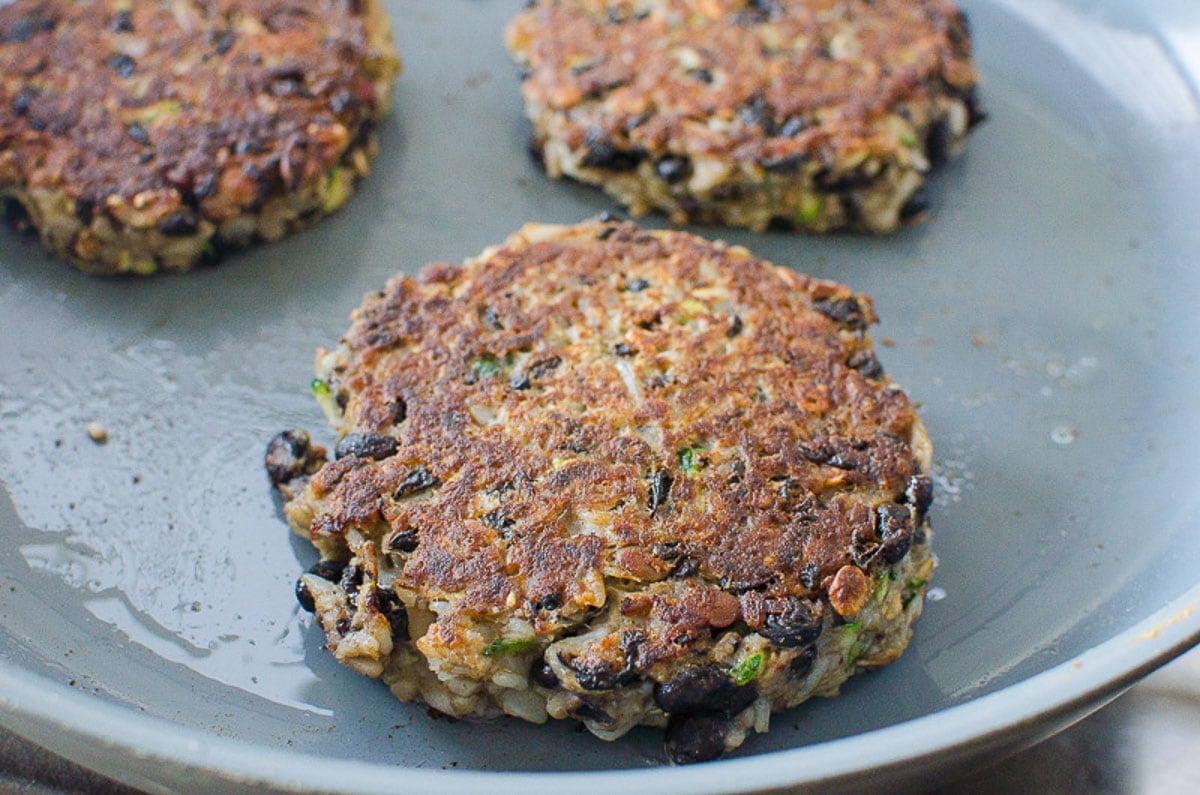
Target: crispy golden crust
{"type": "Point", "coordinates": [726, 99]}
{"type": "Point", "coordinates": [130, 126]}
{"type": "Point", "coordinates": [601, 402]}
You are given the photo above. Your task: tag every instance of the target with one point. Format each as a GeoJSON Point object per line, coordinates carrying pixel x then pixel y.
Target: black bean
{"type": "Point", "coordinates": [892, 525]}
{"type": "Point", "coordinates": [937, 143]}
{"type": "Point", "coordinates": [287, 456]}
{"type": "Point", "coordinates": [122, 22]}
{"type": "Point", "coordinates": [758, 112]}
{"type": "Point", "coordinates": [919, 494]}
{"type": "Point", "coordinates": [600, 675]}
{"type": "Point", "coordinates": [138, 133]}
{"type": "Point", "coordinates": [304, 596]}
{"type": "Point", "coordinates": [704, 688]}
{"type": "Point", "coordinates": [797, 624]}
{"type": "Point", "coordinates": [290, 88]}
{"type": "Point", "coordinates": [866, 364]}
{"type": "Point", "coordinates": [786, 164]}
{"type": "Point", "coordinates": [668, 551]}
{"type": "Point", "coordinates": [802, 663]}
{"type": "Point", "coordinates": [24, 29]}
{"type": "Point", "coordinates": [122, 64]}
{"type": "Point", "coordinates": [844, 310]}
{"type": "Point", "coordinates": [245, 145]}
{"type": "Point", "coordinates": [328, 570]}
{"type": "Point", "coordinates": [687, 567]}
{"type": "Point", "coordinates": [735, 327]}
{"type": "Point", "coordinates": [340, 101]}
{"type": "Point", "coordinates": [391, 608]}
{"type": "Point", "coordinates": [404, 541]}
{"type": "Point", "coordinates": [181, 224]}
{"type": "Point", "coordinates": [352, 578]}
{"type": "Point", "coordinates": [418, 480]}
{"type": "Point", "coordinates": [536, 370]}
{"type": "Point", "coordinates": [916, 205]}
{"type": "Point", "coordinates": [792, 126]}
{"type": "Point", "coordinates": [696, 737]}
{"type": "Point", "coordinates": [22, 100]}
{"type": "Point", "coordinates": [541, 673]}
{"type": "Point", "coordinates": [856, 179]}
{"type": "Point", "coordinates": [588, 711]}
{"type": "Point", "coordinates": [399, 411]}
{"type": "Point", "coordinates": [85, 209]}
{"type": "Point", "coordinates": [498, 520]}
{"type": "Point", "coordinates": [604, 153]}
{"type": "Point", "coordinates": [223, 41]}
{"type": "Point", "coordinates": [673, 168]}
{"type": "Point", "coordinates": [660, 488]}
{"type": "Point", "coordinates": [205, 186]}
{"type": "Point", "coordinates": [491, 319]}
{"type": "Point", "coordinates": [366, 445]}
{"type": "Point", "coordinates": [623, 349]}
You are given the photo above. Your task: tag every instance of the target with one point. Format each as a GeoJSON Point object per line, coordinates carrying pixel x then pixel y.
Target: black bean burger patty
{"type": "Point", "coordinates": [815, 114]}
{"type": "Point", "coordinates": [146, 136]}
{"type": "Point", "coordinates": [621, 476]}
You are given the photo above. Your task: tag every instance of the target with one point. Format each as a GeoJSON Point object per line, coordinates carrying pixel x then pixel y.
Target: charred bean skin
{"type": "Point", "coordinates": [894, 531]}
{"type": "Point", "coordinates": [706, 688]}
{"type": "Point", "coordinates": [287, 455]}
{"type": "Point", "coordinates": [328, 570]}
{"type": "Point", "coordinates": [392, 609]}
{"type": "Point", "coordinates": [603, 153]}
{"type": "Point", "coordinates": [351, 580]}
{"type": "Point", "coordinates": [404, 541]}
{"type": "Point", "coordinates": [798, 624]}
{"type": "Point", "coordinates": [937, 143]}
{"type": "Point", "coordinates": [802, 663]}
{"type": "Point", "coordinates": [697, 737]}
{"type": "Point", "coordinates": [919, 494]}
{"type": "Point", "coordinates": [673, 169]}
{"type": "Point", "coordinates": [866, 364]}
{"type": "Point", "coordinates": [541, 673]}
{"type": "Point", "coordinates": [588, 711]}
{"type": "Point", "coordinates": [418, 480]}
{"type": "Point", "coordinates": [660, 488]}
{"type": "Point", "coordinates": [179, 224]}
{"type": "Point", "coordinates": [845, 310]}
{"type": "Point", "coordinates": [304, 596]}
{"type": "Point", "coordinates": [916, 206]}
{"type": "Point", "coordinates": [366, 445]}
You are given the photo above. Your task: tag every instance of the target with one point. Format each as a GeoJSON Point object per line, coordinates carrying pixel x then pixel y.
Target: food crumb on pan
{"type": "Point", "coordinates": [96, 432]}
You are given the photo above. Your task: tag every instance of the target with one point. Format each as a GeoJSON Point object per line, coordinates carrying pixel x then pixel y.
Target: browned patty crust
{"type": "Point", "coordinates": [678, 450]}
{"type": "Point", "coordinates": [141, 136]}
{"type": "Point", "coordinates": [820, 114]}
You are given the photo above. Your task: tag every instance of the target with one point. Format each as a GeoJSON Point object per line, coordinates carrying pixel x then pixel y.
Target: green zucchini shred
{"type": "Point", "coordinates": [498, 647]}
{"type": "Point", "coordinates": [746, 669]}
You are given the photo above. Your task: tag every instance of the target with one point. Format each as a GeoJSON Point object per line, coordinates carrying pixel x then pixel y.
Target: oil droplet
{"type": "Point", "coordinates": [1063, 435]}
{"type": "Point", "coordinates": [935, 594]}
